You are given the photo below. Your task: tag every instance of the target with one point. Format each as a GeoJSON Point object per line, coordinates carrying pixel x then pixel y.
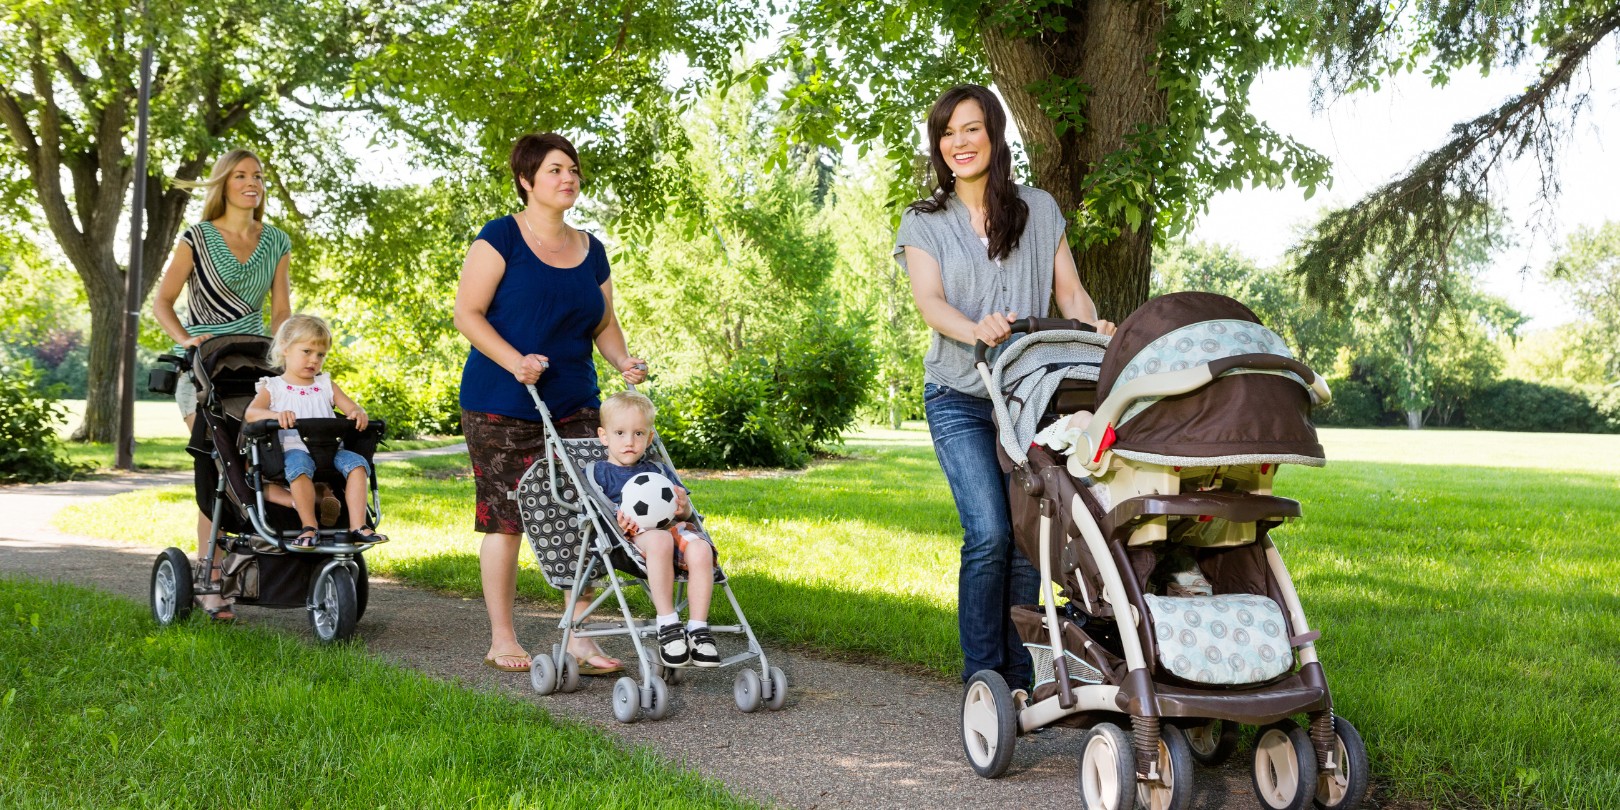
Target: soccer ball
{"type": "Point", "coordinates": [649, 500]}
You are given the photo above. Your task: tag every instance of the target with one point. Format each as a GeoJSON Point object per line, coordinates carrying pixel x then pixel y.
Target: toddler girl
{"type": "Point", "coordinates": [303, 391]}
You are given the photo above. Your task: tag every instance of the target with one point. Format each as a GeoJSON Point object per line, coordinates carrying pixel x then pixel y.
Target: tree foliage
{"type": "Point", "coordinates": [1132, 114]}
{"type": "Point", "coordinates": [1588, 269]}
{"type": "Point", "coordinates": [1416, 220]}
{"type": "Point", "coordinates": [244, 72]}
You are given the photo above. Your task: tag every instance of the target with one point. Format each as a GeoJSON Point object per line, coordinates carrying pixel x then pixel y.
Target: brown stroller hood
{"type": "Point", "coordinates": [1241, 416]}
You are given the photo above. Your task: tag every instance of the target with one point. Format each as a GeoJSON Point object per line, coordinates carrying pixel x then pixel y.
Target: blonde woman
{"type": "Point", "coordinates": [227, 263]}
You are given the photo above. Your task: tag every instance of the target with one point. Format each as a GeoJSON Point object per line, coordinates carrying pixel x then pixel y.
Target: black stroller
{"type": "Point", "coordinates": [234, 464]}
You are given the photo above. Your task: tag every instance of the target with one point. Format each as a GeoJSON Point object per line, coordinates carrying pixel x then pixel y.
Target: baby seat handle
{"type": "Point", "coordinates": [982, 349]}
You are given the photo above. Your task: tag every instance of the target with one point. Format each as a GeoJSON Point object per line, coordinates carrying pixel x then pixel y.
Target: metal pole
{"type": "Point", "coordinates": [132, 287]}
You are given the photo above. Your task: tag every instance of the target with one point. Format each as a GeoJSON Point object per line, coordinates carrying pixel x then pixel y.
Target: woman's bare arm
{"type": "Point", "coordinates": [481, 274]}
{"type": "Point", "coordinates": [174, 280]}
{"type": "Point", "coordinates": [928, 290]}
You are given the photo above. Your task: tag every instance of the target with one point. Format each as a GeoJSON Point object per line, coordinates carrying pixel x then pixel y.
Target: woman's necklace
{"type": "Point", "coordinates": [524, 218]}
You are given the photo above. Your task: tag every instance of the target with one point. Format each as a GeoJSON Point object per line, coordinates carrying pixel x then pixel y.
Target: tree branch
{"type": "Point", "coordinates": [1411, 222]}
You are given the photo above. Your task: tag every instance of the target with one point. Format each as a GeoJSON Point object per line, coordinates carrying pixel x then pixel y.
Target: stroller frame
{"type": "Point", "coordinates": [338, 584]}
{"type": "Point", "coordinates": [1171, 725]}
{"type": "Point", "coordinates": [599, 544]}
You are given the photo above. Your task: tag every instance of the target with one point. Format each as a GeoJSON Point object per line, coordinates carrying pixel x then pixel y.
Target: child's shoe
{"type": "Point", "coordinates": [674, 648]}
{"type": "Point", "coordinates": [704, 652]}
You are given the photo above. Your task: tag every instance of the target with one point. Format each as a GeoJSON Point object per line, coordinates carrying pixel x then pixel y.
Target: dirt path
{"type": "Point", "coordinates": [850, 735]}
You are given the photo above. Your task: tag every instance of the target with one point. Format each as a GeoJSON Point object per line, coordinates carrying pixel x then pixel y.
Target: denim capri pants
{"type": "Point", "coordinates": [301, 463]}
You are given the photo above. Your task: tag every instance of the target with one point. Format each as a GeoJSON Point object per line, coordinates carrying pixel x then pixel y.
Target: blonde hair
{"type": "Point", "coordinates": [628, 401]}
{"type": "Point", "coordinates": [299, 329]}
{"type": "Point", "coordinates": [214, 194]}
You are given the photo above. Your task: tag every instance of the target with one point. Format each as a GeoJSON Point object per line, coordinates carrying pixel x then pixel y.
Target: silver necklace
{"type": "Point", "coordinates": [523, 218]}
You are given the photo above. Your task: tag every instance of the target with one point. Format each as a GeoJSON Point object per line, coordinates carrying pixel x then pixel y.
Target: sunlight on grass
{"type": "Point", "coordinates": [99, 707]}
{"type": "Point", "coordinates": [1470, 614]}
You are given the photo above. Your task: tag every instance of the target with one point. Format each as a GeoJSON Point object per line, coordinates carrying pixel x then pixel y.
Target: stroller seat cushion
{"type": "Point", "coordinates": [1221, 640]}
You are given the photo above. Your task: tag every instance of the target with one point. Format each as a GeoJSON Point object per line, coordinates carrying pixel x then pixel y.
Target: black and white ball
{"type": "Point", "coordinates": [649, 500]}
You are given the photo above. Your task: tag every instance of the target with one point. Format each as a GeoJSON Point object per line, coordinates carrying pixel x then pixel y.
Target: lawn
{"type": "Point", "coordinates": [1463, 582]}
{"type": "Point", "coordinates": [160, 440]}
{"type": "Point", "coordinates": [98, 708]}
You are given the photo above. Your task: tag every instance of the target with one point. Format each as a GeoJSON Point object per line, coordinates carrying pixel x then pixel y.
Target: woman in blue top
{"type": "Point", "coordinates": [535, 295]}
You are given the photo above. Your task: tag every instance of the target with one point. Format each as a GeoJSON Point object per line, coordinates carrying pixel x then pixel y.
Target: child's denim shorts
{"type": "Point", "coordinates": [300, 462]}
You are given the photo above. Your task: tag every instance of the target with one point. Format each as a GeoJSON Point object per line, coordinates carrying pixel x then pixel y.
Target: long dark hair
{"type": "Point", "coordinates": [1005, 213]}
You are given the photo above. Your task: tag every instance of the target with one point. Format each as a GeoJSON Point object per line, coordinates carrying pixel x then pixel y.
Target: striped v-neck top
{"type": "Point", "coordinates": [225, 296]}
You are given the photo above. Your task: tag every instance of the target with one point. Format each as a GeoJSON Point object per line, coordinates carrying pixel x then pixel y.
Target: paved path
{"type": "Point", "coordinates": [850, 736]}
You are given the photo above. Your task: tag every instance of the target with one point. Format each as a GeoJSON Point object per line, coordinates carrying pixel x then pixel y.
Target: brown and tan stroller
{"type": "Point", "coordinates": [1196, 404]}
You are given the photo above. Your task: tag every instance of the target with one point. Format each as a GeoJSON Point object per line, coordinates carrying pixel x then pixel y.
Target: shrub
{"type": "Point", "coordinates": [29, 447]}
{"type": "Point", "coordinates": [1520, 405]}
{"type": "Point", "coordinates": [731, 419]}
{"type": "Point", "coordinates": [1355, 404]}
{"type": "Point", "coordinates": [423, 404]}
{"type": "Point", "coordinates": [825, 377]}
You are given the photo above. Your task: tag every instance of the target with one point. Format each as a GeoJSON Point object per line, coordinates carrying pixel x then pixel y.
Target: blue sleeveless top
{"type": "Point", "coordinates": [539, 309]}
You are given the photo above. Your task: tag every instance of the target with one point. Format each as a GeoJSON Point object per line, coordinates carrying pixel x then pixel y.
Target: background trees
{"type": "Point", "coordinates": [246, 71]}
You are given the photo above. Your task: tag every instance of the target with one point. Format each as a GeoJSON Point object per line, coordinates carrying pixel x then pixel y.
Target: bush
{"type": "Point", "coordinates": [1520, 405]}
{"type": "Point", "coordinates": [825, 378]}
{"type": "Point", "coordinates": [731, 419]}
{"type": "Point", "coordinates": [29, 447]}
{"type": "Point", "coordinates": [1355, 404]}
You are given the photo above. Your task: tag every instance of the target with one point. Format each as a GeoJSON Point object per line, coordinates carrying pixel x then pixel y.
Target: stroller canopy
{"type": "Point", "coordinates": [228, 367]}
{"type": "Point", "coordinates": [1027, 374]}
{"type": "Point", "coordinates": [1244, 417]}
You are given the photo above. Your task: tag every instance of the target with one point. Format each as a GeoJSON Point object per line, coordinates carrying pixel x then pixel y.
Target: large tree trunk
{"type": "Point", "coordinates": [1109, 48]}
{"type": "Point", "coordinates": [106, 341]}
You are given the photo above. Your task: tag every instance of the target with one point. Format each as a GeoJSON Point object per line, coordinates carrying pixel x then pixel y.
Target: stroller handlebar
{"type": "Point", "coordinates": [982, 349]}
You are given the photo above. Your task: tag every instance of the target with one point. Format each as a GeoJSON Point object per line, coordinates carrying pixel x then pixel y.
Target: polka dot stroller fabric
{"type": "Point", "coordinates": [1221, 640]}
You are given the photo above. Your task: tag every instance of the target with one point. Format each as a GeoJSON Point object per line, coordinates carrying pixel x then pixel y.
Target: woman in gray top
{"type": "Point", "coordinates": [981, 252]}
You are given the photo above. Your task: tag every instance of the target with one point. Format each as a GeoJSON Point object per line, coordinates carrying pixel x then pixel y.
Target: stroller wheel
{"type": "Point", "coordinates": [1284, 773]}
{"type": "Point", "coordinates": [672, 676]}
{"type": "Point", "coordinates": [171, 587]}
{"type": "Point", "coordinates": [332, 604]}
{"type": "Point", "coordinates": [626, 700]}
{"type": "Point", "coordinates": [748, 690]}
{"type": "Point", "coordinates": [778, 689]}
{"type": "Point", "coordinates": [1346, 787]}
{"type": "Point", "coordinates": [543, 674]}
{"type": "Point", "coordinates": [660, 699]}
{"type": "Point", "coordinates": [570, 681]}
{"type": "Point", "coordinates": [989, 723]}
{"type": "Point", "coordinates": [362, 588]}
{"type": "Point", "coordinates": [1107, 769]}
{"type": "Point", "coordinates": [1174, 789]}
{"type": "Point", "coordinates": [1213, 743]}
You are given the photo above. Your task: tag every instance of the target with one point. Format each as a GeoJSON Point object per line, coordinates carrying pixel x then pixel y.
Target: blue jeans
{"type": "Point", "coordinates": [995, 575]}
{"type": "Point", "coordinates": [301, 463]}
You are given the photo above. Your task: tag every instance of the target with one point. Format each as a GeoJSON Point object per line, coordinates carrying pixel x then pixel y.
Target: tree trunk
{"type": "Point", "coordinates": [1109, 48]}
{"type": "Point", "coordinates": [1414, 419]}
{"type": "Point", "coordinates": [106, 340]}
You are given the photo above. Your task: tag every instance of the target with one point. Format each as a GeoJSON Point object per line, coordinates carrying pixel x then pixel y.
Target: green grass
{"type": "Point", "coordinates": [1467, 585]}
{"type": "Point", "coordinates": [100, 707]}
{"type": "Point", "coordinates": [168, 453]}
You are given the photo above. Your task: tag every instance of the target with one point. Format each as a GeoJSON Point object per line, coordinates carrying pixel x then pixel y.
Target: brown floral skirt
{"type": "Point", "coordinates": [501, 449]}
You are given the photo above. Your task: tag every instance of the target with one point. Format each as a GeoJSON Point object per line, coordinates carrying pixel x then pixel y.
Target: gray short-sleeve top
{"type": "Point", "coordinates": [974, 284]}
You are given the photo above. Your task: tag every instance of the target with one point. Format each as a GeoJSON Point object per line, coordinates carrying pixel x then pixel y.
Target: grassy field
{"type": "Point", "coordinates": [160, 440]}
{"type": "Point", "coordinates": [1464, 583]}
{"type": "Point", "coordinates": [98, 708]}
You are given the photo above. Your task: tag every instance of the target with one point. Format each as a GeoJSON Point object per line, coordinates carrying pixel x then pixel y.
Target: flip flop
{"type": "Point", "coordinates": [588, 668]}
{"type": "Point", "coordinates": [221, 614]}
{"type": "Point", "coordinates": [494, 663]}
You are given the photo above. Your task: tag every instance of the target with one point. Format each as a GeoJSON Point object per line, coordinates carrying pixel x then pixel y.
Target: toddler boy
{"type": "Point", "coordinates": [627, 431]}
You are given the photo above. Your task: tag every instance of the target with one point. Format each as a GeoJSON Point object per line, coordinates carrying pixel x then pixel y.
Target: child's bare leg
{"type": "Point", "coordinates": [354, 495]}
{"type": "Point", "coordinates": [1080, 420]}
{"type": "Point", "coordinates": [658, 547]}
{"type": "Point", "coordinates": [278, 495]}
{"type": "Point", "coordinates": [699, 579]}
{"type": "Point", "coordinates": [303, 495]}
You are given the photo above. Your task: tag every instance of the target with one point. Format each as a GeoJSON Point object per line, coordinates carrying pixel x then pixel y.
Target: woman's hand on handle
{"type": "Point", "coordinates": [1104, 327]}
{"type": "Point", "coordinates": [992, 329]}
{"type": "Point", "coordinates": [633, 369]}
{"type": "Point", "coordinates": [530, 367]}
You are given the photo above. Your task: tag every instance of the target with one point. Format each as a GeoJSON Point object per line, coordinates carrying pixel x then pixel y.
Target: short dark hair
{"type": "Point", "coordinates": [530, 151]}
